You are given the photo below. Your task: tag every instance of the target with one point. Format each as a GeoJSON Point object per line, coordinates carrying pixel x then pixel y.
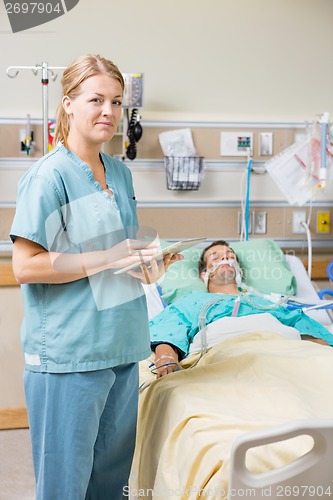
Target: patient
{"type": "Point", "coordinates": [172, 331]}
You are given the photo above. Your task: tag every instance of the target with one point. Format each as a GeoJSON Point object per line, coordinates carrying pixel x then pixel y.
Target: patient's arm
{"type": "Point", "coordinates": [166, 357]}
{"type": "Point", "coordinates": [314, 339]}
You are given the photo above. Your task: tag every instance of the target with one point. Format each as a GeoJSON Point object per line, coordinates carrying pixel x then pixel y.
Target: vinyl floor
{"type": "Point", "coordinates": [16, 470]}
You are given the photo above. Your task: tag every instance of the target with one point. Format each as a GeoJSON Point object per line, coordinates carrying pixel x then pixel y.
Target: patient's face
{"type": "Point", "coordinates": [220, 274]}
{"type": "Point", "coordinates": [218, 253]}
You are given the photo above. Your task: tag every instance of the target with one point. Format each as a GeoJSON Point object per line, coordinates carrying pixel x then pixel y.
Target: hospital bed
{"type": "Point", "coordinates": [256, 409]}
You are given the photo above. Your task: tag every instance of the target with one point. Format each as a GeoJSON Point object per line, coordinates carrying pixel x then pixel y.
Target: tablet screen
{"type": "Point", "coordinates": [177, 247]}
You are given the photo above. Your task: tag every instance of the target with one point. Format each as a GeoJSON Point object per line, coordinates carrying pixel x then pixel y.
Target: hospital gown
{"type": "Point", "coordinates": [178, 323]}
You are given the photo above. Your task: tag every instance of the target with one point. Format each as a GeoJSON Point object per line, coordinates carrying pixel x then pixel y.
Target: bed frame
{"type": "Point", "coordinates": [310, 475]}
{"type": "Point", "coordinates": [307, 477]}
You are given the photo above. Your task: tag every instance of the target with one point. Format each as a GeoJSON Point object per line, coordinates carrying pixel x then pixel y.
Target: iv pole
{"type": "Point", "coordinates": [45, 69]}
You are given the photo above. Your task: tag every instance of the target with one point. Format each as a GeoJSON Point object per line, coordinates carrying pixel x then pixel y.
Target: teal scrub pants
{"type": "Point", "coordinates": [82, 428]}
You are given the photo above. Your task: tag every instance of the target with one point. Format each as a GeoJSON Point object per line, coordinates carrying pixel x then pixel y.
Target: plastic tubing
{"type": "Point", "coordinates": [308, 234]}
{"type": "Point", "coordinates": [323, 145]}
{"type": "Point", "coordinates": [203, 326]}
{"type": "Point", "coordinates": [249, 297]}
{"type": "Point", "coordinates": [324, 305]}
{"type": "Point", "coordinates": [249, 293]}
{"type": "Point", "coordinates": [247, 201]}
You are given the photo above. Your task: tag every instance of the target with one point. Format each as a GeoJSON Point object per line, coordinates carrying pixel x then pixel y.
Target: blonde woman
{"type": "Point", "coordinates": [84, 329]}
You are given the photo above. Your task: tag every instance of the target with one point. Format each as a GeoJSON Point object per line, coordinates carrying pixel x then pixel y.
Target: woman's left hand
{"type": "Point", "coordinates": [153, 270]}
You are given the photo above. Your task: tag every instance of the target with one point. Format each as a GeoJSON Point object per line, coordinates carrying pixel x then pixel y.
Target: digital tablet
{"type": "Point", "coordinates": [177, 247]}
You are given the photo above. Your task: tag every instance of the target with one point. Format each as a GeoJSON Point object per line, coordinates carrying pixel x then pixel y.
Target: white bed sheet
{"type": "Point", "coordinates": [226, 328]}
{"type": "Point", "coordinates": [154, 301]}
{"type": "Point", "coordinates": [306, 291]}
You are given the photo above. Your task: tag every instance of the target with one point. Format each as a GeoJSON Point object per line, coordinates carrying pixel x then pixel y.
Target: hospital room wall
{"type": "Point", "coordinates": [217, 202]}
{"type": "Point", "coordinates": [240, 61]}
{"type": "Point", "coordinates": [205, 65]}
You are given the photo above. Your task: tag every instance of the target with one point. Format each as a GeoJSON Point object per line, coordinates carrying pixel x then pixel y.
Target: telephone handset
{"type": "Point", "coordinates": [133, 99]}
{"type": "Point", "coordinates": [134, 134]}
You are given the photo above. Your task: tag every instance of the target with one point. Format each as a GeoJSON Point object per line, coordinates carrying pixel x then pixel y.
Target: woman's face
{"type": "Point", "coordinates": [95, 112]}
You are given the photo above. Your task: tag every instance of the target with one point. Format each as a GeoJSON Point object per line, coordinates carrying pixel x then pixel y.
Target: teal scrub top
{"type": "Point", "coordinates": [92, 323]}
{"type": "Point", "coordinates": [178, 323]}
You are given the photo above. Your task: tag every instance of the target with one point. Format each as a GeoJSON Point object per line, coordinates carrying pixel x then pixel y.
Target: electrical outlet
{"type": "Point", "coordinates": [298, 217]}
{"type": "Point", "coordinates": [323, 222]}
{"type": "Point", "coordinates": [266, 143]}
{"type": "Point", "coordinates": [259, 222]}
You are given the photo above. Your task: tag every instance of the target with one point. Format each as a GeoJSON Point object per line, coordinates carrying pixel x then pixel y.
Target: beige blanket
{"type": "Point", "coordinates": [189, 419]}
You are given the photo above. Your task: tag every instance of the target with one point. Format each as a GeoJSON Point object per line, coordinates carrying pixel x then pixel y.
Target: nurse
{"type": "Point", "coordinates": [84, 328]}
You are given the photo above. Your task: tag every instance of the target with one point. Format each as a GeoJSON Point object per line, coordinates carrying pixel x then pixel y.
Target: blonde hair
{"type": "Point", "coordinates": [74, 75]}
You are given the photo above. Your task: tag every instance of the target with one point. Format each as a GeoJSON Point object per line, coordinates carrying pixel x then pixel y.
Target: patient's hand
{"type": "Point", "coordinates": [314, 339]}
{"type": "Point", "coordinates": [166, 360]}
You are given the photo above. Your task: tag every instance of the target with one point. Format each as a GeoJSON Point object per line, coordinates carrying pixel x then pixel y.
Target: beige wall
{"type": "Point", "coordinates": [217, 59]}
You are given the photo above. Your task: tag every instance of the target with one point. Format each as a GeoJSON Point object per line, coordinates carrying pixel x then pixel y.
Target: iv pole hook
{"type": "Point", "coordinates": [12, 75]}
{"type": "Point", "coordinates": [45, 80]}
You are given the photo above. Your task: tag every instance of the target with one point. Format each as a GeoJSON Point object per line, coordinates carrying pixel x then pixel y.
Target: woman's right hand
{"type": "Point", "coordinates": [132, 251]}
{"type": "Point", "coordinates": [34, 264]}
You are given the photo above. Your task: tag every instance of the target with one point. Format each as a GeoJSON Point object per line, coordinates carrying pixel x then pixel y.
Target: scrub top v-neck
{"type": "Point", "coordinates": [92, 323]}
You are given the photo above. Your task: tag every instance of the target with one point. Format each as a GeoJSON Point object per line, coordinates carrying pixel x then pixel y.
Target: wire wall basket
{"type": "Point", "coordinates": [183, 172]}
